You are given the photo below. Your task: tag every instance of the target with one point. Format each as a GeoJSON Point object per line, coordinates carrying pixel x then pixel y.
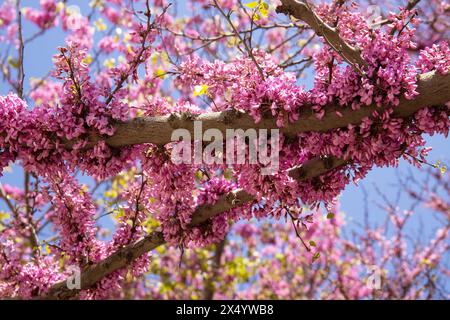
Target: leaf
{"type": "Point", "coordinates": [87, 60]}
{"type": "Point", "coordinates": [443, 169]}
{"type": "Point", "coordinates": [109, 63]}
{"type": "Point", "coordinates": [200, 90]}
{"type": "Point", "coordinates": [4, 216]}
{"type": "Point", "coordinates": [160, 73]}
{"type": "Point", "coordinates": [100, 25]}
{"type": "Point", "coordinates": [264, 9]}
{"type": "Point", "coordinates": [330, 215]}
{"type": "Point", "coordinates": [199, 176]}
{"type": "Point", "coordinates": [312, 243]}
{"type": "Point", "coordinates": [13, 62]}
{"type": "Point", "coordinates": [228, 174]}
{"type": "Point", "coordinates": [119, 213]}
{"type": "Point", "coordinates": [316, 256]}
{"type": "Point", "coordinates": [252, 5]}
{"type": "Point", "coordinates": [112, 194]}
{"type": "Point", "coordinates": [233, 42]}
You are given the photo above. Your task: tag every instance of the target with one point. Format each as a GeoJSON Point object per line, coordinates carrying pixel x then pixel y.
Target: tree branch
{"type": "Point", "coordinates": [231, 200]}
{"type": "Point", "coordinates": [433, 89]}
{"type": "Point", "coordinates": [302, 11]}
{"type": "Point", "coordinates": [20, 69]}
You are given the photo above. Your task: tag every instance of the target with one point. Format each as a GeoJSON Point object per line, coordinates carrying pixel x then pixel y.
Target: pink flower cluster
{"type": "Point", "coordinates": [435, 58]}
{"type": "Point", "coordinates": [39, 136]}
{"type": "Point", "coordinates": [74, 217]}
{"type": "Point", "coordinates": [45, 16]}
{"type": "Point", "coordinates": [276, 95]}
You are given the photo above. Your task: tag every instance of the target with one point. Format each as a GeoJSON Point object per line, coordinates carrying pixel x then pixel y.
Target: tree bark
{"type": "Point", "coordinates": [433, 89]}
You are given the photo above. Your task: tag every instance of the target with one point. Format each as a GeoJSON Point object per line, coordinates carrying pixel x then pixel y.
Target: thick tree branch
{"type": "Point", "coordinates": [302, 11]}
{"type": "Point", "coordinates": [433, 89]}
{"type": "Point", "coordinates": [124, 256]}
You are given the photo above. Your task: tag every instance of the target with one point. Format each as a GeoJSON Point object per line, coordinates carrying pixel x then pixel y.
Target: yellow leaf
{"type": "Point", "coordinates": [100, 25]}
{"type": "Point", "coordinates": [200, 90]}
{"type": "Point", "coordinates": [301, 42]}
{"type": "Point", "coordinates": [59, 6]}
{"type": "Point", "coordinates": [160, 73]}
{"type": "Point", "coordinates": [154, 58]}
{"type": "Point", "coordinates": [111, 194]}
{"type": "Point", "coordinates": [13, 62]}
{"type": "Point", "coordinates": [264, 9]}
{"type": "Point", "coordinates": [316, 256]}
{"type": "Point", "coordinates": [4, 215]}
{"type": "Point", "coordinates": [260, 7]}
{"type": "Point", "coordinates": [120, 213]}
{"type": "Point", "coordinates": [426, 262]}
{"type": "Point", "coordinates": [199, 176]}
{"type": "Point", "coordinates": [109, 63]}
{"type": "Point", "coordinates": [443, 169]}
{"type": "Point", "coordinates": [126, 37]}
{"type": "Point", "coordinates": [232, 42]}
{"type": "Point", "coordinates": [252, 5]}
{"type": "Point", "coordinates": [279, 256]}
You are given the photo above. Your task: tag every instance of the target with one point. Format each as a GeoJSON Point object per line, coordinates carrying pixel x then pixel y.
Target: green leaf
{"type": "Point", "coordinates": [316, 256]}
{"type": "Point", "coordinates": [13, 62]}
{"type": "Point", "coordinates": [330, 215]}
{"type": "Point", "coordinates": [228, 174]}
{"type": "Point", "coordinates": [312, 243]}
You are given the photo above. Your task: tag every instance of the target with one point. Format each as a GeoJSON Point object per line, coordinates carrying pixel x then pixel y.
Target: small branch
{"type": "Point", "coordinates": [237, 33]}
{"type": "Point", "coordinates": [209, 287]}
{"type": "Point", "coordinates": [302, 11]}
{"type": "Point", "coordinates": [138, 58]}
{"type": "Point", "coordinates": [20, 70]}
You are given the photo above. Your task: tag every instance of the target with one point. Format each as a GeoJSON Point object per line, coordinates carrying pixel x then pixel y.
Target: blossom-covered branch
{"type": "Point", "coordinates": [126, 255]}
{"type": "Point", "coordinates": [114, 100]}
{"type": "Point", "coordinates": [433, 90]}
{"type": "Point", "coordinates": [302, 11]}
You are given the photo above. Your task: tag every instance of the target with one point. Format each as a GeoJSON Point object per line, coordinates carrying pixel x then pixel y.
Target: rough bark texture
{"type": "Point", "coordinates": [302, 11]}
{"type": "Point", "coordinates": [434, 89]}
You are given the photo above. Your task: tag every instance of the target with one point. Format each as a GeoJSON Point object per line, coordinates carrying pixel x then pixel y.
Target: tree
{"type": "Point", "coordinates": [407, 267]}
{"type": "Point", "coordinates": [113, 107]}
